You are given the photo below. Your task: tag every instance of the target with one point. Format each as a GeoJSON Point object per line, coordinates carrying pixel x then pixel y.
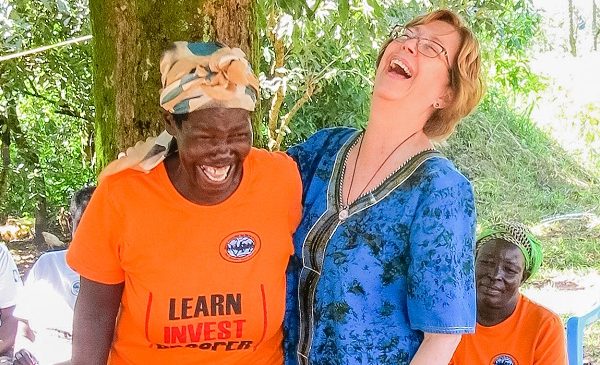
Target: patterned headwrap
{"type": "Point", "coordinates": [519, 235]}
{"type": "Point", "coordinates": [206, 75]}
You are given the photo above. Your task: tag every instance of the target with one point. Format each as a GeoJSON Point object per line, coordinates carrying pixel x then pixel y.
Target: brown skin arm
{"type": "Point", "coordinates": [8, 330]}
{"type": "Point", "coordinates": [94, 321]}
{"type": "Point", "coordinates": [436, 348]}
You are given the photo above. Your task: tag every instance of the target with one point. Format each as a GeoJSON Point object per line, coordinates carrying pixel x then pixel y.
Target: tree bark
{"type": "Point", "coordinates": [5, 154]}
{"type": "Point", "coordinates": [595, 30]}
{"type": "Point", "coordinates": [41, 216]}
{"type": "Point", "coordinates": [129, 37]}
{"type": "Point", "coordinates": [572, 30]}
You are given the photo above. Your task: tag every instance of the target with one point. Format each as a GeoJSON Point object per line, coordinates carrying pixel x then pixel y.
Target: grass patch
{"type": "Point", "coordinates": [591, 344]}
{"type": "Point", "coordinates": [520, 173]}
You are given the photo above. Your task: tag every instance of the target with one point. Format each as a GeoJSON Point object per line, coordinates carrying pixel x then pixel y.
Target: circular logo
{"type": "Point", "coordinates": [504, 359]}
{"type": "Point", "coordinates": [240, 246]}
{"type": "Point", "coordinates": [75, 288]}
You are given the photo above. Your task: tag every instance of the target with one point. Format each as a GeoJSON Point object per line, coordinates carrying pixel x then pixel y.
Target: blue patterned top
{"type": "Point", "coordinates": [362, 290]}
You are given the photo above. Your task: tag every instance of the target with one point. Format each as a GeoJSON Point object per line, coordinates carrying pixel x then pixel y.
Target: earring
{"type": "Point", "coordinates": [436, 105]}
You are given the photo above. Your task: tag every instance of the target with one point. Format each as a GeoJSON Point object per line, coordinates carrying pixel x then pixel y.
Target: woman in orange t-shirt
{"type": "Point", "coordinates": [511, 329]}
{"type": "Point", "coordinates": [186, 264]}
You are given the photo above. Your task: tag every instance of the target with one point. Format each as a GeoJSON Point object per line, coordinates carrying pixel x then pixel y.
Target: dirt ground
{"type": "Point", "coordinates": [25, 254]}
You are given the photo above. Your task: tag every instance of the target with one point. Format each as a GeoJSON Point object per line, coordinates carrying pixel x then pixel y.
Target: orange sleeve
{"type": "Point", "coordinates": [551, 348]}
{"type": "Point", "coordinates": [94, 252]}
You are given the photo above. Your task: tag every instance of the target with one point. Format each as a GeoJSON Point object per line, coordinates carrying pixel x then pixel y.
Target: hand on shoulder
{"type": "Point", "coordinates": [133, 157]}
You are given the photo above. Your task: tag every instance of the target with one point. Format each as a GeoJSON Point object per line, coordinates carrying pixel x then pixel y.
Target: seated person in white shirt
{"type": "Point", "coordinates": [45, 306]}
{"type": "Point", "coordinates": [10, 281]}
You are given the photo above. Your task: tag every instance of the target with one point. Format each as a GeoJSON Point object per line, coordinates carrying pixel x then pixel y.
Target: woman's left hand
{"type": "Point", "coordinates": [24, 357]}
{"type": "Point", "coordinates": [129, 159]}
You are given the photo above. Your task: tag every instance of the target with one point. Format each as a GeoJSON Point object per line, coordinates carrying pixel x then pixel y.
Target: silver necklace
{"type": "Point", "coordinates": [344, 212]}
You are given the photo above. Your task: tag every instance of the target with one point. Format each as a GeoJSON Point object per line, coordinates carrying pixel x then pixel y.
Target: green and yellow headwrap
{"type": "Point", "coordinates": [519, 235]}
{"type": "Point", "coordinates": [206, 75]}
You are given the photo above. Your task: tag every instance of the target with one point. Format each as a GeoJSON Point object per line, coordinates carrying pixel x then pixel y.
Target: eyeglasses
{"type": "Point", "coordinates": [426, 47]}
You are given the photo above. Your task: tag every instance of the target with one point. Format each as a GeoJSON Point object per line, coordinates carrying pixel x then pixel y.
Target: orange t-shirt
{"type": "Point", "coordinates": [203, 284]}
{"type": "Point", "coordinates": [532, 335]}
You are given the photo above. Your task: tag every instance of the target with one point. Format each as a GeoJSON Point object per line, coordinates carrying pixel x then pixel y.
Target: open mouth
{"type": "Point", "coordinates": [216, 174]}
{"type": "Point", "coordinates": [400, 68]}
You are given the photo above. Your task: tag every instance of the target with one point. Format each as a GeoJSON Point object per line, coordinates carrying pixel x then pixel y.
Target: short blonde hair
{"type": "Point", "coordinates": [466, 82]}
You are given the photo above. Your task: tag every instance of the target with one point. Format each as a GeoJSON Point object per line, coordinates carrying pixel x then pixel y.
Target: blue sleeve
{"type": "Point", "coordinates": [291, 321]}
{"type": "Point", "coordinates": [304, 153]}
{"type": "Point", "coordinates": [441, 283]}
{"type": "Point", "coordinates": [309, 154]}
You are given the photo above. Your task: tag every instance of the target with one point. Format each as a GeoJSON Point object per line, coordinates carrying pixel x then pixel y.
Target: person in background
{"type": "Point", "coordinates": [10, 282]}
{"type": "Point", "coordinates": [511, 328]}
{"type": "Point", "coordinates": [191, 256]}
{"type": "Point", "coordinates": [45, 305]}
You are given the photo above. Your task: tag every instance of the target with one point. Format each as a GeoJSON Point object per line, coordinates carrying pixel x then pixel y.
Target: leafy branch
{"type": "Point", "coordinates": [61, 107]}
{"type": "Point", "coordinates": [311, 86]}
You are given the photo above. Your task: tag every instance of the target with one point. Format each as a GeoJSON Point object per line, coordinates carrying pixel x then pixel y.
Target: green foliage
{"type": "Point", "coordinates": [308, 9]}
{"type": "Point", "coordinates": [334, 52]}
{"type": "Point", "coordinates": [335, 49]}
{"type": "Point", "coordinates": [507, 31]}
{"type": "Point", "coordinates": [45, 105]}
{"type": "Point", "coordinates": [62, 160]}
{"type": "Point", "coordinates": [590, 118]}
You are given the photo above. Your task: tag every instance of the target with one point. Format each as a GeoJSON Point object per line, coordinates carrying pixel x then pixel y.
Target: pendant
{"type": "Point", "coordinates": [343, 214]}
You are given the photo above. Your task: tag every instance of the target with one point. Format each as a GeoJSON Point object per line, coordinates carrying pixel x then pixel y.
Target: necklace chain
{"type": "Point", "coordinates": [376, 171]}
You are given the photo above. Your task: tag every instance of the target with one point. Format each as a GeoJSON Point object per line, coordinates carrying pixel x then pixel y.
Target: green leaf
{"type": "Point", "coordinates": [344, 9]}
{"type": "Point", "coordinates": [377, 9]}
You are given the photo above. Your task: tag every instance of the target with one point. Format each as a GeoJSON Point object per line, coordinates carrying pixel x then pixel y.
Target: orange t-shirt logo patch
{"type": "Point", "coordinates": [240, 246]}
{"type": "Point", "coordinates": [504, 359]}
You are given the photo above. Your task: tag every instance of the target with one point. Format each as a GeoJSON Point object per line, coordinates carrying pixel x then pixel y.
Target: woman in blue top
{"type": "Point", "coordinates": [383, 269]}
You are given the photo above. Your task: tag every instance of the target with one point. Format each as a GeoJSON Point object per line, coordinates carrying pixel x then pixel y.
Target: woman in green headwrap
{"type": "Point", "coordinates": [511, 329]}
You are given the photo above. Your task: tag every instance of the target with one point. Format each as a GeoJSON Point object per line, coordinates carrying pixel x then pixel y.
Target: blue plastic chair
{"type": "Point", "coordinates": [575, 327]}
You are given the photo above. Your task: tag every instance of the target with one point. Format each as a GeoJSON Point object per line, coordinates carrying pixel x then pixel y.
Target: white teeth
{"type": "Point", "coordinates": [401, 64]}
{"type": "Point", "coordinates": [216, 174]}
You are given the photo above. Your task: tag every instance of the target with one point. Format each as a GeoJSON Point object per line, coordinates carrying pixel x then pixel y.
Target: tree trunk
{"type": "Point", "coordinates": [41, 216]}
{"type": "Point", "coordinates": [5, 153]}
{"type": "Point", "coordinates": [38, 182]}
{"type": "Point", "coordinates": [572, 30]}
{"type": "Point", "coordinates": [129, 37]}
{"type": "Point", "coordinates": [595, 30]}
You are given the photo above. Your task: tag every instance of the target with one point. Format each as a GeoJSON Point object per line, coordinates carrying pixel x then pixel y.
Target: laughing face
{"type": "Point", "coordinates": [213, 144]}
{"type": "Point", "coordinates": [406, 74]}
{"type": "Point", "coordinates": [499, 269]}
